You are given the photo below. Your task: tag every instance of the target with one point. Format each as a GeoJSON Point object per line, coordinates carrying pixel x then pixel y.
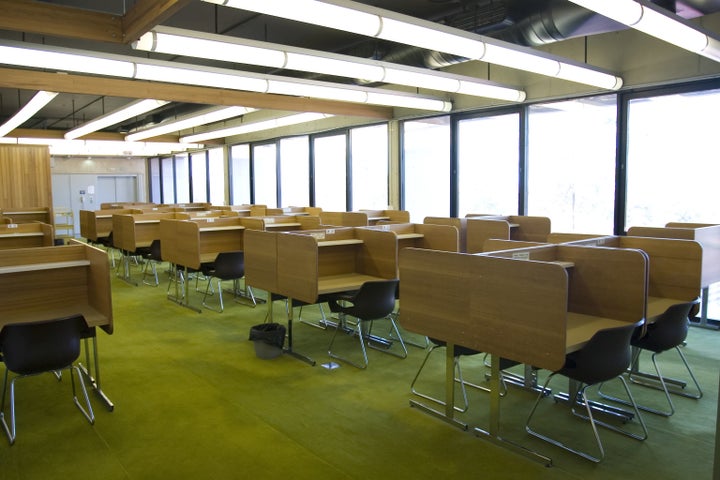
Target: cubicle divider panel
{"type": "Point", "coordinates": [378, 255]}
{"type": "Point", "coordinates": [675, 266]}
{"type": "Point", "coordinates": [529, 228]}
{"type": "Point", "coordinates": [606, 282]}
{"type": "Point", "coordinates": [216, 239]}
{"type": "Point", "coordinates": [481, 229]}
{"type": "Point", "coordinates": [709, 238]}
{"type": "Point", "coordinates": [438, 237]}
{"type": "Point", "coordinates": [261, 259]}
{"type": "Point", "coordinates": [344, 219]}
{"type": "Point", "coordinates": [297, 266]}
{"type": "Point", "coordinates": [308, 222]}
{"type": "Point", "coordinates": [513, 309]}
{"type": "Point", "coordinates": [460, 225]}
{"type": "Point", "coordinates": [497, 245]}
{"type": "Point", "coordinates": [560, 237]}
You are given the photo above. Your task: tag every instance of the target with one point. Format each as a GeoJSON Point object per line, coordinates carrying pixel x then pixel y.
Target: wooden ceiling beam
{"type": "Point", "coordinates": [47, 19]}
{"type": "Point", "coordinates": [90, 85]}
{"type": "Point", "coordinates": [147, 14]}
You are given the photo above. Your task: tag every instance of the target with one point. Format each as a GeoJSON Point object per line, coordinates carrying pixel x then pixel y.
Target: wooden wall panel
{"type": "Point", "coordinates": [25, 179]}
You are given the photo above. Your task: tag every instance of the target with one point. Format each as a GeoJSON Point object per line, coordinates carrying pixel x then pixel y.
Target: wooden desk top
{"type": "Point", "coordinates": [344, 282]}
{"type": "Point", "coordinates": [282, 225]}
{"type": "Point", "coordinates": [220, 229]}
{"type": "Point", "coordinates": [656, 306]}
{"type": "Point", "coordinates": [580, 328]}
{"type": "Point", "coordinates": [151, 220]}
{"type": "Point", "coordinates": [21, 234]}
{"type": "Point", "coordinates": [31, 267]}
{"type": "Point", "coordinates": [402, 236]}
{"type": "Point", "coordinates": [333, 243]}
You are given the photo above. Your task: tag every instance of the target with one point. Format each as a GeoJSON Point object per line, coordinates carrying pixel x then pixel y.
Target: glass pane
{"type": "Point", "coordinates": [488, 159]}
{"type": "Point", "coordinates": [199, 177]}
{"type": "Point", "coordinates": [155, 193]}
{"type": "Point", "coordinates": [168, 180]}
{"type": "Point", "coordinates": [369, 147]}
{"type": "Point", "coordinates": [216, 171]}
{"type": "Point", "coordinates": [426, 161]}
{"type": "Point", "coordinates": [240, 180]}
{"type": "Point", "coordinates": [330, 173]}
{"type": "Point", "coordinates": [571, 164]}
{"type": "Point", "coordinates": [265, 174]}
{"type": "Point", "coordinates": [295, 171]}
{"type": "Point", "coordinates": [182, 178]}
{"type": "Point", "coordinates": [672, 166]}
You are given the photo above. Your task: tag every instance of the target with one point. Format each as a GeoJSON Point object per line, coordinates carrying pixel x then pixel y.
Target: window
{"type": "Point", "coordinates": [182, 178]}
{"type": "Point", "coordinates": [571, 164]}
{"type": "Point", "coordinates": [168, 180]}
{"type": "Point", "coordinates": [295, 171]}
{"type": "Point", "coordinates": [199, 177]}
{"type": "Point", "coordinates": [369, 153]}
{"type": "Point", "coordinates": [330, 173]}
{"type": "Point", "coordinates": [216, 172]}
{"type": "Point", "coordinates": [426, 168]}
{"type": "Point", "coordinates": [240, 174]}
{"type": "Point", "coordinates": [155, 190]}
{"type": "Point", "coordinates": [265, 174]}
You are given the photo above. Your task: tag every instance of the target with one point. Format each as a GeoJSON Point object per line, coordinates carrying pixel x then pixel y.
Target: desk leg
{"type": "Point", "coordinates": [95, 381]}
{"type": "Point", "coordinates": [493, 432]}
{"type": "Point", "coordinates": [448, 415]}
{"type": "Point", "coordinates": [126, 269]}
{"type": "Point", "coordinates": [703, 323]}
{"type": "Point", "coordinates": [183, 299]}
{"type": "Point", "coordinates": [289, 349]}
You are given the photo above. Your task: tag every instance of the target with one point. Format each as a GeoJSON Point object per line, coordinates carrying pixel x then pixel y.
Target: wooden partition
{"type": "Point", "coordinates": [344, 219]}
{"type": "Point", "coordinates": [25, 235]}
{"type": "Point", "coordinates": [394, 216]}
{"type": "Point", "coordinates": [314, 211]}
{"type": "Point", "coordinates": [282, 222]}
{"type": "Point", "coordinates": [134, 231]}
{"type": "Point", "coordinates": [460, 225]}
{"type": "Point", "coordinates": [96, 224]}
{"type": "Point", "coordinates": [52, 282]}
{"type": "Point", "coordinates": [514, 227]}
{"type": "Point", "coordinates": [192, 242]}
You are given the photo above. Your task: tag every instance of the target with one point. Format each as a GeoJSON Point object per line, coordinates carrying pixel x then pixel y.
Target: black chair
{"type": "Point", "coordinates": [39, 347]}
{"type": "Point", "coordinates": [152, 257]}
{"type": "Point", "coordinates": [458, 352]}
{"type": "Point", "coordinates": [375, 300]}
{"type": "Point", "coordinates": [107, 243]}
{"type": "Point", "coordinates": [667, 332]}
{"type": "Point", "coordinates": [606, 356]}
{"type": "Point", "coordinates": [227, 266]}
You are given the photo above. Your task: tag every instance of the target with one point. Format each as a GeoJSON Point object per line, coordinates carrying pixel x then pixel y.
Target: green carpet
{"type": "Point", "coordinates": [192, 400]}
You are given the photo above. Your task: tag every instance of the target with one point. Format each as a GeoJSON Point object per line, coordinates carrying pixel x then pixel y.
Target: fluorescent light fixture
{"type": "Point", "coordinates": [176, 41]}
{"type": "Point", "coordinates": [256, 126]}
{"type": "Point", "coordinates": [39, 100]}
{"type": "Point", "coordinates": [203, 117]}
{"type": "Point", "coordinates": [657, 22]}
{"type": "Point", "coordinates": [358, 18]}
{"type": "Point", "coordinates": [54, 58]}
{"type": "Point", "coordinates": [104, 148]}
{"type": "Point", "coordinates": [187, 74]}
{"type": "Point", "coordinates": [133, 109]}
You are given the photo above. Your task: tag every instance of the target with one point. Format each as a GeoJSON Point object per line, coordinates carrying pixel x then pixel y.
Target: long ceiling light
{"type": "Point", "coordinates": [133, 109]}
{"type": "Point", "coordinates": [39, 100]}
{"type": "Point", "coordinates": [203, 117]}
{"type": "Point", "coordinates": [657, 22]}
{"type": "Point", "coordinates": [24, 54]}
{"type": "Point", "coordinates": [176, 41]}
{"type": "Point", "coordinates": [100, 148]}
{"type": "Point", "coordinates": [255, 127]}
{"type": "Point", "coordinates": [387, 25]}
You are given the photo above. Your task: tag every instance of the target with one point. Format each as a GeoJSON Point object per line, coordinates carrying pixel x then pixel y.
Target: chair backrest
{"type": "Point", "coordinates": [668, 330]}
{"type": "Point", "coordinates": [37, 347]}
{"type": "Point", "coordinates": [155, 250]}
{"type": "Point", "coordinates": [230, 265]}
{"type": "Point", "coordinates": [606, 355]}
{"type": "Point", "coordinates": [374, 300]}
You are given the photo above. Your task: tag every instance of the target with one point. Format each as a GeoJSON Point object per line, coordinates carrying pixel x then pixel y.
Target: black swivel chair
{"type": "Point", "coordinates": [39, 347]}
{"type": "Point", "coordinates": [606, 356]}
{"type": "Point", "coordinates": [227, 266]}
{"type": "Point", "coordinates": [152, 257]}
{"type": "Point", "coordinates": [667, 332]}
{"type": "Point", "coordinates": [375, 300]}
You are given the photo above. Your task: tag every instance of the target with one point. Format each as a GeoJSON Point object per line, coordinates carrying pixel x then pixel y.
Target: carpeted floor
{"type": "Point", "coordinates": [192, 400]}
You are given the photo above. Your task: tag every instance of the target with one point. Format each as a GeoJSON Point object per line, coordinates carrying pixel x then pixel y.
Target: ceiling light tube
{"type": "Point", "coordinates": [220, 47]}
{"type": "Point", "coordinates": [409, 30]}
{"type": "Point", "coordinates": [255, 127]}
{"type": "Point", "coordinates": [133, 109]}
{"type": "Point", "coordinates": [39, 100]}
{"type": "Point", "coordinates": [55, 58]}
{"type": "Point", "coordinates": [210, 115]}
{"type": "Point", "coordinates": [657, 22]}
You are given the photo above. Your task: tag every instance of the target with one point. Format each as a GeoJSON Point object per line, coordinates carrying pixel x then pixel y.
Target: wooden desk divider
{"type": "Point", "coordinates": [30, 215]}
{"type": "Point", "coordinates": [43, 283]}
{"type": "Point", "coordinates": [282, 223]}
{"type": "Point", "coordinates": [314, 211]}
{"type": "Point", "coordinates": [394, 216]}
{"type": "Point", "coordinates": [25, 235]}
{"type": "Point", "coordinates": [459, 223]}
{"type": "Point", "coordinates": [514, 227]}
{"type": "Point", "coordinates": [96, 224]}
{"type": "Point", "coordinates": [420, 235]}
{"type": "Point", "coordinates": [129, 205]}
{"type": "Point", "coordinates": [344, 219]}
{"type": "Point", "coordinates": [531, 305]}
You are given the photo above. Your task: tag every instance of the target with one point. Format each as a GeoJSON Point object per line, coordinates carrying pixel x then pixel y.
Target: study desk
{"type": "Point", "coordinates": [30, 215]}
{"type": "Point", "coordinates": [512, 227]}
{"type": "Point", "coordinates": [97, 224]}
{"type": "Point", "coordinates": [43, 283]}
{"type": "Point", "coordinates": [304, 265]}
{"type": "Point", "coordinates": [708, 236]}
{"type": "Point", "coordinates": [386, 216]}
{"type": "Point", "coordinates": [24, 235]}
{"type": "Point", "coordinates": [189, 243]}
{"type": "Point", "coordinates": [529, 309]}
